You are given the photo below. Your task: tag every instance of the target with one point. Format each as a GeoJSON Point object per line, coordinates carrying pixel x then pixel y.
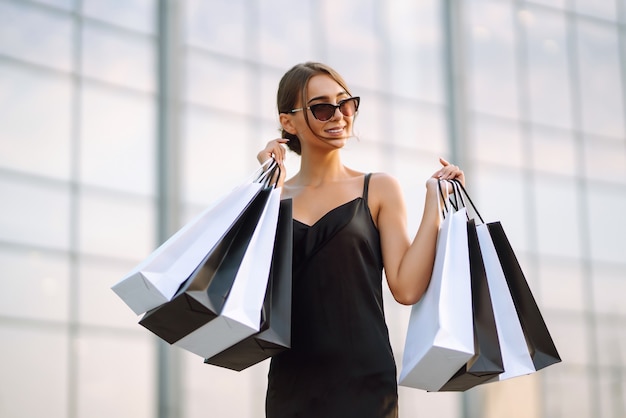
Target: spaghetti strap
{"type": "Point", "coordinates": [366, 183]}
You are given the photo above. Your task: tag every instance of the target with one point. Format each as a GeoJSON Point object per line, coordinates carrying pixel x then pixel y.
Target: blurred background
{"type": "Point", "coordinates": [121, 119]}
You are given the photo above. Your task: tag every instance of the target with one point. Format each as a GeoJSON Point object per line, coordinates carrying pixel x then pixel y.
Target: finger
{"type": "Point", "coordinates": [443, 162]}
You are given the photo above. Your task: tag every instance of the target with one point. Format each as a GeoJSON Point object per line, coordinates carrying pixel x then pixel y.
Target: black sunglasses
{"type": "Point", "coordinates": [325, 111]}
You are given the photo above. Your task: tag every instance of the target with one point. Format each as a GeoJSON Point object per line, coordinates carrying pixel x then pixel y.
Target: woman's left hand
{"type": "Point", "coordinates": [449, 172]}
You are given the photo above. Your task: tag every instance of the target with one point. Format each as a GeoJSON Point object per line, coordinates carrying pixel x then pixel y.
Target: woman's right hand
{"type": "Point", "coordinates": [276, 150]}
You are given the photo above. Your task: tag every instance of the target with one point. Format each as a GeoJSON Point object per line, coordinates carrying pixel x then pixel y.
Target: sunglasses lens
{"type": "Point", "coordinates": [323, 111]}
{"type": "Point", "coordinates": [348, 107]}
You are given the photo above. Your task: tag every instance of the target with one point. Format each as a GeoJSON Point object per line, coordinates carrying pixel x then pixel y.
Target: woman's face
{"type": "Point", "coordinates": [334, 131]}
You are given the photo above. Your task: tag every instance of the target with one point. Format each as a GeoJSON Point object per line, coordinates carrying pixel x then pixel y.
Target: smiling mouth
{"type": "Point", "coordinates": [334, 131]}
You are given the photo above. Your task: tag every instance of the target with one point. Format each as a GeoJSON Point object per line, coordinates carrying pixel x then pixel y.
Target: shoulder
{"type": "Point", "coordinates": [384, 185]}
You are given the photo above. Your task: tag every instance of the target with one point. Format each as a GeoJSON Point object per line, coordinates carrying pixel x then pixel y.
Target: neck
{"type": "Point", "coordinates": [317, 168]}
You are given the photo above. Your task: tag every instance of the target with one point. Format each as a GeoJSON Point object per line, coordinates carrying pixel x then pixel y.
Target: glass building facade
{"type": "Point", "coordinates": [121, 119]}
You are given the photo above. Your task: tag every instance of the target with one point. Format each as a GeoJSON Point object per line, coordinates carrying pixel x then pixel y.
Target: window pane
{"type": "Point", "coordinates": [37, 36]}
{"type": "Point", "coordinates": [38, 287]}
{"type": "Point", "coordinates": [204, 167]}
{"type": "Point", "coordinates": [600, 80]}
{"type": "Point", "coordinates": [34, 214]}
{"type": "Point", "coordinates": [218, 83]}
{"type": "Point", "coordinates": [217, 25]}
{"type": "Point", "coordinates": [605, 160]}
{"type": "Point", "coordinates": [34, 372]}
{"type": "Point", "coordinates": [495, 141]}
{"type": "Point", "coordinates": [416, 126]}
{"type": "Point", "coordinates": [609, 288]}
{"type": "Point", "coordinates": [499, 196]}
{"type": "Point", "coordinates": [557, 217]}
{"type": "Point", "coordinates": [491, 78]}
{"type": "Point", "coordinates": [545, 144]}
{"type": "Point", "coordinates": [606, 205]}
{"type": "Point", "coordinates": [62, 4]}
{"type": "Point", "coordinates": [35, 132]}
{"type": "Point", "coordinates": [119, 58]}
{"type": "Point", "coordinates": [550, 100]}
{"type": "Point", "coordinates": [561, 383]}
{"type": "Point", "coordinates": [415, 49]}
{"type": "Point", "coordinates": [282, 20]}
{"type": "Point", "coordinates": [118, 140]}
{"type": "Point", "coordinates": [133, 14]}
{"type": "Point", "coordinates": [602, 9]}
{"type": "Point", "coordinates": [115, 226]}
{"type": "Point", "coordinates": [356, 54]}
{"type": "Point", "coordinates": [561, 284]}
{"type": "Point", "coordinates": [98, 304]}
{"type": "Point", "coordinates": [116, 376]}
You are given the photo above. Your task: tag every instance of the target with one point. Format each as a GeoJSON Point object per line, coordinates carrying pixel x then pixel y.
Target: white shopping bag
{"type": "Point", "coordinates": [241, 315]}
{"type": "Point", "coordinates": [440, 337]}
{"type": "Point", "coordinates": [515, 355]}
{"type": "Point", "coordinates": [157, 278]}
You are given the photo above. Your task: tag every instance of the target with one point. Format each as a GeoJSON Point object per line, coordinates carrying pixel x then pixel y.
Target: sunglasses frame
{"type": "Point", "coordinates": [356, 99]}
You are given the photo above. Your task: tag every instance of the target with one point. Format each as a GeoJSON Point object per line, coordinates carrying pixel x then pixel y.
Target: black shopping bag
{"type": "Point", "coordinates": [487, 360]}
{"type": "Point", "coordinates": [542, 350]}
{"type": "Point", "coordinates": [202, 296]}
{"type": "Point", "coordinates": [275, 334]}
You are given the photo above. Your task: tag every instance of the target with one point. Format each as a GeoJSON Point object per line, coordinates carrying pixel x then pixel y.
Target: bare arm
{"type": "Point", "coordinates": [409, 265]}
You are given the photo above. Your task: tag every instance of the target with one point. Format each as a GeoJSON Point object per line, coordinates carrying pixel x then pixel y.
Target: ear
{"type": "Point", "coordinates": [286, 121]}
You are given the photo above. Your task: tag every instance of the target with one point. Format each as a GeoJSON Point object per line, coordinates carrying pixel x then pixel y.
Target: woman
{"type": "Point", "coordinates": [348, 226]}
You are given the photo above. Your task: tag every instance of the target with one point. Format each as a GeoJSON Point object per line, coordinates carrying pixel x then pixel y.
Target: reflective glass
{"type": "Point", "coordinates": [495, 141]}
{"type": "Point", "coordinates": [416, 126]}
{"type": "Point", "coordinates": [561, 383]}
{"type": "Point", "coordinates": [219, 26]}
{"type": "Point", "coordinates": [611, 337]}
{"type": "Point", "coordinates": [557, 216]}
{"type": "Point", "coordinates": [266, 97]}
{"type": "Point", "coordinates": [545, 144]}
{"type": "Point", "coordinates": [559, 4]}
{"type": "Point", "coordinates": [218, 83]}
{"type": "Point", "coordinates": [548, 73]}
{"type": "Point", "coordinates": [609, 288]}
{"type": "Point", "coordinates": [491, 77]}
{"type": "Point", "coordinates": [63, 4]}
{"type": "Point", "coordinates": [215, 386]}
{"type": "Point", "coordinates": [117, 147]}
{"type": "Point", "coordinates": [133, 14]}
{"type": "Point", "coordinates": [116, 226]}
{"type": "Point", "coordinates": [280, 20]}
{"type": "Point", "coordinates": [601, 9]}
{"type": "Point", "coordinates": [605, 160]}
{"type": "Point", "coordinates": [415, 49]}
{"type": "Point", "coordinates": [357, 53]}
{"type": "Point", "coordinates": [118, 57]}
{"type": "Point", "coordinates": [38, 287]}
{"type": "Point", "coordinates": [607, 244]}
{"type": "Point", "coordinates": [35, 35]}
{"type": "Point", "coordinates": [499, 195]}
{"type": "Point", "coordinates": [208, 173]}
{"type": "Point", "coordinates": [571, 336]}
{"type": "Point", "coordinates": [600, 79]}
{"type": "Point", "coordinates": [35, 132]}
{"type": "Point", "coordinates": [35, 214]}
{"type": "Point", "coordinates": [115, 376]}
{"type": "Point", "coordinates": [98, 305]}
{"type": "Point", "coordinates": [34, 372]}
{"type": "Point", "coordinates": [561, 284]}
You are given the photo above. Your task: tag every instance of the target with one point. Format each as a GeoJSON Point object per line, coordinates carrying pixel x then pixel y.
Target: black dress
{"type": "Point", "coordinates": [341, 363]}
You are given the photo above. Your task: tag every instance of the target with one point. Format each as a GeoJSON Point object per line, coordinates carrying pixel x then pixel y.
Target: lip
{"type": "Point", "coordinates": [337, 130]}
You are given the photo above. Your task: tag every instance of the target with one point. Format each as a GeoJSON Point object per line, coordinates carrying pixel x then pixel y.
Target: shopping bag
{"type": "Point", "coordinates": [440, 333]}
{"type": "Point", "coordinates": [240, 316]}
{"type": "Point", "coordinates": [275, 332]}
{"type": "Point", "coordinates": [156, 279]}
{"type": "Point", "coordinates": [487, 360]}
{"type": "Point", "coordinates": [525, 341]}
{"type": "Point", "coordinates": [202, 296]}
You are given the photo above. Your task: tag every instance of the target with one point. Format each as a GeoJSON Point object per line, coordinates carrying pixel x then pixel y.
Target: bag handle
{"type": "Point", "coordinates": [461, 191]}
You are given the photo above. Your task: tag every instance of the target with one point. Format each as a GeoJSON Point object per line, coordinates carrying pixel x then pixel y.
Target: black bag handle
{"type": "Point", "coordinates": [461, 192]}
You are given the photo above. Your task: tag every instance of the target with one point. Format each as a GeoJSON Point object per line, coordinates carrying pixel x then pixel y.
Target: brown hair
{"type": "Point", "coordinates": [293, 86]}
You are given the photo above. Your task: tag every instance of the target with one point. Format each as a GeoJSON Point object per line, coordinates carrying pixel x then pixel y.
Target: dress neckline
{"type": "Point", "coordinates": [327, 214]}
